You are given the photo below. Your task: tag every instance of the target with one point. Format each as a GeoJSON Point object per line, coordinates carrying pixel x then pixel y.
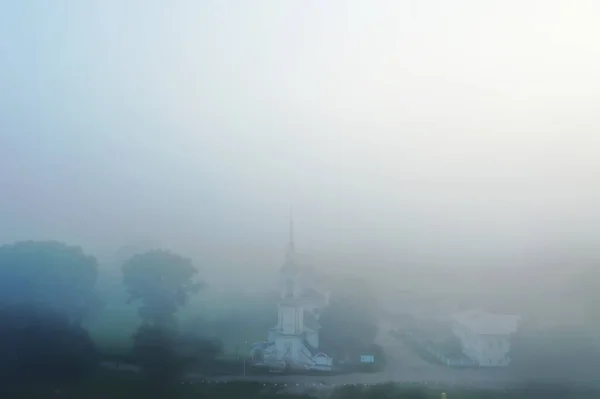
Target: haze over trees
{"type": "Point", "coordinates": [561, 353]}
{"type": "Point", "coordinates": [50, 275]}
{"type": "Point", "coordinates": [162, 281]}
{"type": "Point", "coordinates": [350, 322]}
{"type": "Point", "coordinates": [236, 318]}
{"type": "Point", "coordinates": [46, 290]}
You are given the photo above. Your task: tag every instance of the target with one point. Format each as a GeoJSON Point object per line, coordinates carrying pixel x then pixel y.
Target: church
{"type": "Point", "coordinates": [293, 344]}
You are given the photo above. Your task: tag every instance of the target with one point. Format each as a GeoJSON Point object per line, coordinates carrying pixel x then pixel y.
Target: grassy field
{"type": "Point", "coordinates": [123, 385]}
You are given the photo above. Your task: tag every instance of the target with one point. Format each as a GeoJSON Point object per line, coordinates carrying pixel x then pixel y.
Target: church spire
{"type": "Point", "coordinates": [291, 248]}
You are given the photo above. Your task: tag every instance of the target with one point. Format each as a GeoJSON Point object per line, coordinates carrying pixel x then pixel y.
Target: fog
{"type": "Point", "coordinates": [398, 130]}
{"type": "Point", "coordinates": [446, 148]}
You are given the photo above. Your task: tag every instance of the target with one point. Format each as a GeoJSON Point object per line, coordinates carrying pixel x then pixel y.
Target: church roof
{"type": "Point", "coordinates": [485, 323]}
{"type": "Point", "coordinates": [311, 293]}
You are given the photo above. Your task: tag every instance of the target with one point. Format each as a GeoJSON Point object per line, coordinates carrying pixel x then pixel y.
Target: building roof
{"type": "Point", "coordinates": [485, 323]}
{"type": "Point", "coordinates": [311, 293]}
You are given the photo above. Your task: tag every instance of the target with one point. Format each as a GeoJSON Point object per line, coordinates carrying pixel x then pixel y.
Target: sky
{"type": "Point", "coordinates": [461, 133]}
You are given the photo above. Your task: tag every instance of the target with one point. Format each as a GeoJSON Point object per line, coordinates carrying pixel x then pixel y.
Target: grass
{"type": "Point", "coordinates": [123, 385]}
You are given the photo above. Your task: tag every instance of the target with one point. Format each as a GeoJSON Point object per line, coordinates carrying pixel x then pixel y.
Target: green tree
{"type": "Point", "coordinates": [46, 289]}
{"type": "Point", "coordinates": [50, 275]}
{"type": "Point", "coordinates": [154, 351]}
{"type": "Point", "coordinates": [162, 281]}
{"type": "Point", "coordinates": [242, 317]}
{"type": "Point", "coordinates": [38, 344]}
{"type": "Point", "coordinates": [559, 352]}
{"type": "Point", "coordinates": [350, 321]}
{"type": "Point", "coordinates": [584, 288]}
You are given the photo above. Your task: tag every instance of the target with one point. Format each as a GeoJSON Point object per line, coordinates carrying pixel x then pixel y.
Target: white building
{"type": "Point", "coordinates": [485, 337]}
{"type": "Point", "coordinates": [294, 342]}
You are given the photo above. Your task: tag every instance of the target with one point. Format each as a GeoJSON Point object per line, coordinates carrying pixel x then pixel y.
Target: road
{"type": "Point", "coordinates": [403, 366]}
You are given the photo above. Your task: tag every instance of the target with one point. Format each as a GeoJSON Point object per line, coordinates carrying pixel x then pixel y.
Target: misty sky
{"type": "Point", "coordinates": [452, 130]}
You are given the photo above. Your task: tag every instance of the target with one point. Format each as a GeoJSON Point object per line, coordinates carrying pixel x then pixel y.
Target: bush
{"type": "Point", "coordinates": [42, 345]}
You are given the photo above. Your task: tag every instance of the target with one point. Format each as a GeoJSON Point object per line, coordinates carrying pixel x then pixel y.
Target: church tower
{"type": "Point", "coordinates": [294, 341]}
{"type": "Point", "coordinates": [290, 253]}
{"type": "Point", "coordinates": [290, 265]}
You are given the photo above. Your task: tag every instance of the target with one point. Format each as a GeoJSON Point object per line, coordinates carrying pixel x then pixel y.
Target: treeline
{"type": "Point", "coordinates": [47, 291]}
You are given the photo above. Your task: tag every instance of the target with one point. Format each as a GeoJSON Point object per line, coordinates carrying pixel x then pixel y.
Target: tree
{"type": "Point", "coordinates": [154, 349]}
{"type": "Point", "coordinates": [46, 289]}
{"type": "Point", "coordinates": [39, 344]}
{"type": "Point", "coordinates": [557, 353]}
{"type": "Point", "coordinates": [584, 288]}
{"type": "Point", "coordinates": [162, 281]}
{"type": "Point", "coordinates": [50, 275]}
{"type": "Point", "coordinates": [198, 351]}
{"type": "Point", "coordinates": [350, 321]}
{"type": "Point", "coordinates": [344, 321]}
{"type": "Point", "coordinates": [241, 317]}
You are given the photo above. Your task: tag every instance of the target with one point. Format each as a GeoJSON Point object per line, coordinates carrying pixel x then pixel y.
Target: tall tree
{"type": "Point", "coordinates": [154, 350]}
{"type": "Point", "coordinates": [46, 289]}
{"type": "Point", "coordinates": [583, 287]}
{"type": "Point", "coordinates": [162, 281]}
{"type": "Point", "coordinates": [40, 344]}
{"type": "Point", "coordinates": [559, 352]}
{"type": "Point", "coordinates": [50, 275]}
{"type": "Point", "coordinates": [350, 321]}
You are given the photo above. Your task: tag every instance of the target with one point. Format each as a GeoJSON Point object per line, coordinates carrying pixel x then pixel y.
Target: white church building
{"type": "Point", "coordinates": [293, 344]}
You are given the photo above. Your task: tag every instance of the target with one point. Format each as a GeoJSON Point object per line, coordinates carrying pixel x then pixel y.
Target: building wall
{"type": "Point", "coordinates": [292, 319]}
{"type": "Point", "coordinates": [290, 333]}
{"type": "Point", "coordinates": [493, 350]}
{"type": "Point", "coordinates": [486, 350]}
